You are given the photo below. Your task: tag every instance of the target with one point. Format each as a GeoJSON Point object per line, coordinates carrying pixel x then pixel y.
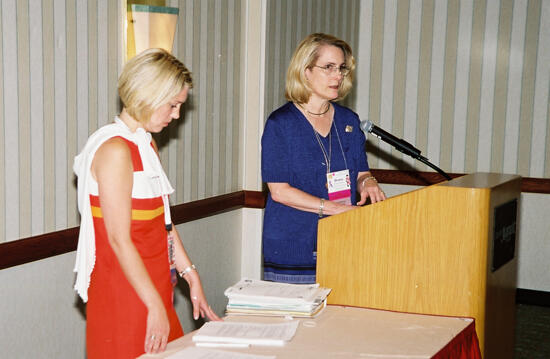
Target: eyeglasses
{"type": "Point", "coordinates": [331, 69]}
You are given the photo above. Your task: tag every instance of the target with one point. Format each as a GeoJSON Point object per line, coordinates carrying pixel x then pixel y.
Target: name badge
{"type": "Point", "coordinates": [339, 187]}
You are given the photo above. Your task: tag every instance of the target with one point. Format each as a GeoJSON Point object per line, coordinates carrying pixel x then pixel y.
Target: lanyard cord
{"type": "Point", "coordinates": [329, 156]}
{"type": "Point", "coordinates": [341, 148]}
{"type": "Point", "coordinates": [166, 204]}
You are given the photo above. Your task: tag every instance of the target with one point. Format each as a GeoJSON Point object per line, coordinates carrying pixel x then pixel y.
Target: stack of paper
{"type": "Point", "coordinates": [258, 297]}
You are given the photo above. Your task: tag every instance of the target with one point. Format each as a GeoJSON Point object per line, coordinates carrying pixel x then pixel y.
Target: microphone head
{"type": "Point", "coordinates": [366, 126]}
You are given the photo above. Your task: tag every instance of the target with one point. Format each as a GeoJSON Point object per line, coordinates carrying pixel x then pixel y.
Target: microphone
{"type": "Point", "coordinates": [399, 144]}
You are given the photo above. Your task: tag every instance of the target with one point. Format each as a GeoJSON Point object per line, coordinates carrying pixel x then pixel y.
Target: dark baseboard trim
{"type": "Point", "coordinates": [34, 248]}
{"type": "Point", "coordinates": [532, 297]}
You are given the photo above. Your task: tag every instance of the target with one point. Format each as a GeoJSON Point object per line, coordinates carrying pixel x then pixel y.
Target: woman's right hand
{"type": "Point", "coordinates": [291, 196]}
{"type": "Point", "coordinates": [158, 328]}
{"type": "Point", "coordinates": [332, 208]}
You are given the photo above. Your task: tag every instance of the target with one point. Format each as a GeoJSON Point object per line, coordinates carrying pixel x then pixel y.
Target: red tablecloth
{"type": "Point", "coordinates": [464, 346]}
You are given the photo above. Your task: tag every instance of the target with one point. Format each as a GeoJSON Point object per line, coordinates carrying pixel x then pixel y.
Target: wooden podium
{"type": "Point", "coordinates": [446, 249]}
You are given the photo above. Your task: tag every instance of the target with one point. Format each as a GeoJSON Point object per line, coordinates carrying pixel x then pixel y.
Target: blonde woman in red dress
{"type": "Point", "coordinates": [129, 251]}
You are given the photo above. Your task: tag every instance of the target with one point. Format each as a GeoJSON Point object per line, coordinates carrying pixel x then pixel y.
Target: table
{"type": "Point", "coordinates": [351, 332]}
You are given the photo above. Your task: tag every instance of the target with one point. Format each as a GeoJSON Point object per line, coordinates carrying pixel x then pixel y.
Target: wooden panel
{"type": "Point", "coordinates": [411, 253]}
{"type": "Point", "coordinates": [38, 247]}
{"type": "Point", "coordinates": [426, 251]}
{"type": "Point", "coordinates": [192, 211]}
{"type": "Point", "coordinates": [501, 284]}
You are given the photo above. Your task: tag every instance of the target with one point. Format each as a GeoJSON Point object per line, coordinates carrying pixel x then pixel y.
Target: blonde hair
{"type": "Point", "coordinates": [306, 55]}
{"type": "Point", "coordinates": [149, 80]}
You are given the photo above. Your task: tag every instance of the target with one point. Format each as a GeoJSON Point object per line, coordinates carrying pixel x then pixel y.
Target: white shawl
{"type": "Point", "coordinates": [85, 254]}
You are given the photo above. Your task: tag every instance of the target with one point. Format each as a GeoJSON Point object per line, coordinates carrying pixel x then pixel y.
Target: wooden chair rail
{"type": "Point", "coordinates": [528, 184]}
{"type": "Point", "coordinates": [34, 248]}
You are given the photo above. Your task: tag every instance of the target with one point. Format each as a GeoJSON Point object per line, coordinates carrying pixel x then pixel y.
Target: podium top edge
{"type": "Point", "coordinates": [481, 180]}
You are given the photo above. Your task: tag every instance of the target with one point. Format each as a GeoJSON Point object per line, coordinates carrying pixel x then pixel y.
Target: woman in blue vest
{"type": "Point", "coordinates": [313, 158]}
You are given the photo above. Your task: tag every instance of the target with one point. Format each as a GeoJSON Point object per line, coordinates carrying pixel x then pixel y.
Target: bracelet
{"type": "Point", "coordinates": [368, 178]}
{"type": "Point", "coordinates": [187, 270]}
{"type": "Point", "coordinates": [321, 207]}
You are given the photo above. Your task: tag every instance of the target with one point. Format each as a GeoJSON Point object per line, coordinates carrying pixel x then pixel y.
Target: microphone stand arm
{"type": "Point", "coordinates": [427, 162]}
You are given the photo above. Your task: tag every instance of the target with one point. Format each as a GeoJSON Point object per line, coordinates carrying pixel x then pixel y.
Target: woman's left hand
{"type": "Point", "coordinates": [200, 304]}
{"type": "Point", "coordinates": [368, 188]}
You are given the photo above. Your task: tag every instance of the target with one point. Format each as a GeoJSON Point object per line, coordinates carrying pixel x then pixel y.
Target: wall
{"type": "Point", "coordinates": [59, 63]}
{"type": "Point", "coordinates": [534, 244]}
{"type": "Point", "coordinates": [43, 318]}
{"type": "Point", "coordinates": [284, 33]}
{"type": "Point", "coordinates": [466, 81]}
{"type": "Point", "coordinates": [214, 246]}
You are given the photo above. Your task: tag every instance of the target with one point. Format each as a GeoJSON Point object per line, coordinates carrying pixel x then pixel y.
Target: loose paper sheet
{"type": "Point", "coordinates": [258, 290]}
{"type": "Point", "coordinates": [242, 332]}
{"type": "Point", "coordinates": [202, 353]}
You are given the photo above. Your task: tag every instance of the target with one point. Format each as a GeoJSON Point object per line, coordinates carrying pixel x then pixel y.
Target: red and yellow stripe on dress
{"type": "Point", "coordinates": [142, 209]}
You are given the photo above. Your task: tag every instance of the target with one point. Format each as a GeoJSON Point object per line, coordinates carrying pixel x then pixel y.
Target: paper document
{"type": "Point", "coordinates": [252, 333]}
{"type": "Point", "coordinates": [258, 297]}
{"type": "Point", "coordinates": [277, 311]}
{"type": "Point", "coordinates": [201, 353]}
{"type": "Point", "coordinates": [273, 291]}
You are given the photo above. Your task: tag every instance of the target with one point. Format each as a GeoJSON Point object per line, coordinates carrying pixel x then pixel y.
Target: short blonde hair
{"type": "Point", "coordinates": [306, 55]}
{"type": "Point", "coordinates": [149, 80]}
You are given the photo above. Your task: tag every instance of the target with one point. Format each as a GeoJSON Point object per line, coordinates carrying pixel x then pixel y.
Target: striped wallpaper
{"type": "Point", "coordinates": [466, 81]}
{"type": "Point", "coordinates": [59, 63]}
{"type": "Point", "coordinates": [288, 22]}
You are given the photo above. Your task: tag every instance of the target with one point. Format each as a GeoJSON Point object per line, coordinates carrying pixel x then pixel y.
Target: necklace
{"type": "Point", "coordinates": [313, 113]}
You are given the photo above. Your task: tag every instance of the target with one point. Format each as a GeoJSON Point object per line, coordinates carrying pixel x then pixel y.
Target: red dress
{"type": "Point", "coordinates": [116, 316]}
